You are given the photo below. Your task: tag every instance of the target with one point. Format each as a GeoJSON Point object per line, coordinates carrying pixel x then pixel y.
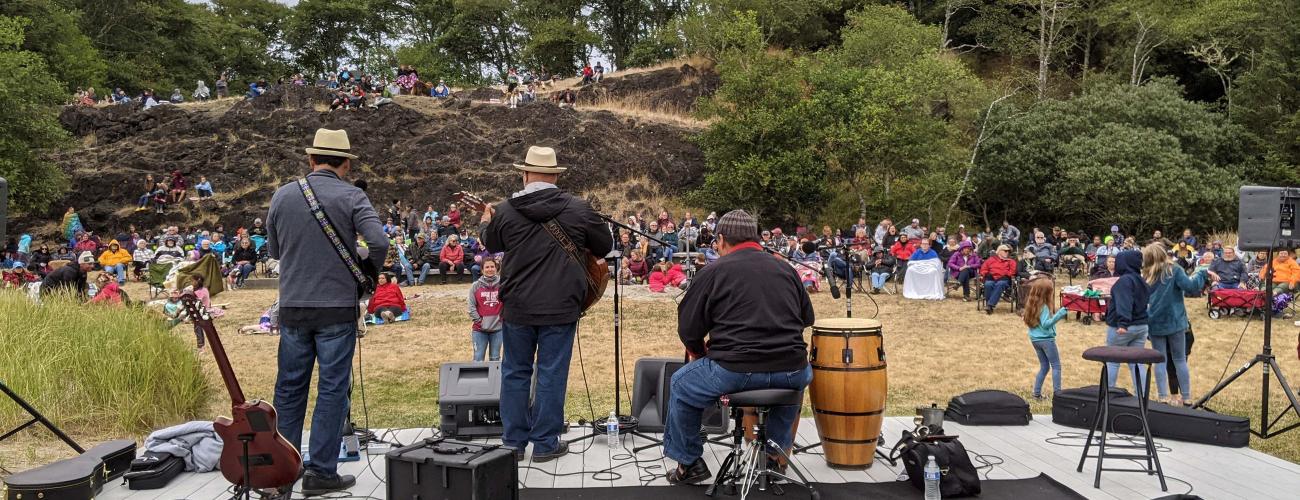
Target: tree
{"type": "Point", "coordinates": [558, 36]}
{"type": "Point", "coordinates": [30, 96]}
{"type": "Point", "coordinates": [1046, 162]}
{"type": "Point", "coordinates": [326, 33]}
{"type": "Point", "coordinates": [67, 52]}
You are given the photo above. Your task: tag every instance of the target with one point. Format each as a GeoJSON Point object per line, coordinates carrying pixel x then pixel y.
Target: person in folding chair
{"type": "Point", "coordinates": [753, 309]}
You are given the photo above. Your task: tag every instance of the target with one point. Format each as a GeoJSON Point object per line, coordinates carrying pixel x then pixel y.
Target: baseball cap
{"type": "Point", "coordinates": [86, 258]}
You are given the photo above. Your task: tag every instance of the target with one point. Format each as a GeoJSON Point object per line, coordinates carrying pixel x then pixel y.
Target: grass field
{"type": "Point", "coordinates": [935, 350]}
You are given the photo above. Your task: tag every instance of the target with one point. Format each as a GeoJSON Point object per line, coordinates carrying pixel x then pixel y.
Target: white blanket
{"type": "Point", "coordinates": [924, 280]}
{"type": "Point", "coordinates": [195, 442]}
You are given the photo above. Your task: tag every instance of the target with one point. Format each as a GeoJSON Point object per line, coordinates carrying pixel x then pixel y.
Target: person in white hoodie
{"type": "Point", "coordinates": [484, 305]}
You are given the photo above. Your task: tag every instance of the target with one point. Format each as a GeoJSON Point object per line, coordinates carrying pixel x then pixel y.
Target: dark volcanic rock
{"type": "Point", "coordinates": [250, 149]}
{"type": "Point", "coordinates": [668, 89]}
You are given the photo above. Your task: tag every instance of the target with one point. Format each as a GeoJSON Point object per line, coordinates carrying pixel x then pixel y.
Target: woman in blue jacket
{"type": "Point", "coordinates": [1126, 313]}
{"type": "Point", "coordinates": [1167, 316]}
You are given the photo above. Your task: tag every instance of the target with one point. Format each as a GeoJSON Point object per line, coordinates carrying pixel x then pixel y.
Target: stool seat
{"type": "Point", "coordinates": [1123, 354]}
{"type": "Point", "coordinates": [766, 398]}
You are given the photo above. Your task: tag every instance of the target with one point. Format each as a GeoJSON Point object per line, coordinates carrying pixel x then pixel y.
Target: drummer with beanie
{"type": "Point", "coordinates": [753, 311]}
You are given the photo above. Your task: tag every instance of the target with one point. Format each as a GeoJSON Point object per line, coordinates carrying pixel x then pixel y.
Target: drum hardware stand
{"type": "Point", "coordinates": [36, 418]}
{"type": "Point", "coordinates": [1269, 362]}
{"type": "Point", "coordinates": [627, 424]}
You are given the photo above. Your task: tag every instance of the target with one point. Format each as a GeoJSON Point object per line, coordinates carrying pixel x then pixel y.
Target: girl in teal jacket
{"type": "Point", "coordinates": [1167, 316]}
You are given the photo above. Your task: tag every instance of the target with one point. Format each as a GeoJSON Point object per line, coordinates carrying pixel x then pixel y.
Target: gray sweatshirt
{"type": "Point", "coordinates": [311, 272]}
{"type": "Point", "coordinates": [484, 297]}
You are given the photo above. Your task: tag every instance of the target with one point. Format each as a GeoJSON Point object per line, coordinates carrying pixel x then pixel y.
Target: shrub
{"type": "Point", "coordinates": [96, 368]}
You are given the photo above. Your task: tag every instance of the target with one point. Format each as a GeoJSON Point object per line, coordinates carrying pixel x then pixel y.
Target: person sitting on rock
{"type": "Point", "coordinates": [203, 188]}
{"type": "Point", "coordinates": [149, 100]}
{"type": "Point", "coordinates": [441, 90]}
{"type": "Point", "coordinates": [358, 99]}
{"type": "Point", "coordinates": [568, 98]}
{"type": "Point", "coordinates": [341, 99]}
{"type": "Point", "coordinates": [143, 202]}
{"type": "Point", "coordinates": [119, 96]}
{"type": "Point", "coordinates": [598, 72]}
{"type": "Point", "coordinates": [201, 91]}
{"type": "Point", "coordinates": [587, 74]}
{"type": "Point", "coordinates": [177, 97]}
{"type": "Point", "coordinates": [160, 197]}
{"type": "Point", "coordinates": [178, 187]}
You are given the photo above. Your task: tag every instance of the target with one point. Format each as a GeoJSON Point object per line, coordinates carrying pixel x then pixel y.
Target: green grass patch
{"type": "Point", "coordinates": [96, 369]}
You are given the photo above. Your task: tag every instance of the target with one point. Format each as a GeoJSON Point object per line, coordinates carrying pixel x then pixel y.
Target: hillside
{"type": "Point", "coordinates": [418, 149]}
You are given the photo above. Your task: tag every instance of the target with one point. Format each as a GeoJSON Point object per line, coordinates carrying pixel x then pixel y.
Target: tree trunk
{"type": "Point", "coordinates": [970, 165]}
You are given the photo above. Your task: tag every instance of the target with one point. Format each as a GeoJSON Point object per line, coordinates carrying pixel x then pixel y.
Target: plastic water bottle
{"type": "Point", "coordinates": [931, 479]}
{"type": "Point", "coordinates": [611, 430]}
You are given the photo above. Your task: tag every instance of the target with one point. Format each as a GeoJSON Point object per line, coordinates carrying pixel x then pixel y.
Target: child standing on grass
{"type": "Point", "coordinates": [485, 310]}
{"type": "Point", "coordinates": [1041, 317]}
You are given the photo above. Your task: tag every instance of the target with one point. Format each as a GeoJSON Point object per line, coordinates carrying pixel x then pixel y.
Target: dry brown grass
{"type": "Point", "coordinates": [935, 351]}
{"type": "Point", "coordinates": [697, 61]}
{"type": "Point", "coordinates": [638, 106]}
{"type": "Point", "coordinates": [613, 198]}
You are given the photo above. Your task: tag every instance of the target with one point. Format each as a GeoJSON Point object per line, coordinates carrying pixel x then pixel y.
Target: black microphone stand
{"type": "Point", "coordinates": [627, 424]}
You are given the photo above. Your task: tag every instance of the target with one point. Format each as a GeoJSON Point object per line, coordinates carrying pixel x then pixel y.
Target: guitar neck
{"type": "Point", "coordinates": [203, 321]}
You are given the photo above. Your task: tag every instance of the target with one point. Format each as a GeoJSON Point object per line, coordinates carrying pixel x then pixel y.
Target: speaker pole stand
{"type": "Point", "coordinates": [1269, 362]}
{"type": "Point", "coordinates": [36, 418]}
{"type": "Point", "coordinates": [627, 424]}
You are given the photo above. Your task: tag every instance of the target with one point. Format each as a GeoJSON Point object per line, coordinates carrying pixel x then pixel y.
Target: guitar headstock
{"type": "Point", "coordinates": [470, 200]}
{"type": "Point", "coordinates": [192, 307]}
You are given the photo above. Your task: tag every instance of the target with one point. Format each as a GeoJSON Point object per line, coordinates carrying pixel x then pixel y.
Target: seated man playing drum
{"type": "Point", "coordinates": [753, 309]}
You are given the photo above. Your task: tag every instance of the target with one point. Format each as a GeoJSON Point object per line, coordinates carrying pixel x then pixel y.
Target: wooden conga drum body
{"type": "Point", "coordinates": [848, 389]}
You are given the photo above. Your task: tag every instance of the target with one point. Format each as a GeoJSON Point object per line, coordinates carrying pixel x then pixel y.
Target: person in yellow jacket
{"type": "Point", "coordinates": [1286, 273]}
{"type": "Point", "coordinates": [116, 260]}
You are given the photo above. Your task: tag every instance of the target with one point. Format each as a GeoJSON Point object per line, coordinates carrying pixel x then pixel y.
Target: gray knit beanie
{"type": "Point", "coordinates": [738, 227]}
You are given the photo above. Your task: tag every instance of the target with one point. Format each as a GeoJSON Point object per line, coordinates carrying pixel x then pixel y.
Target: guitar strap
{"type": "Point", "coordinates": [568, 246]}
{"type": "Point", "coordinates": [332, 233]}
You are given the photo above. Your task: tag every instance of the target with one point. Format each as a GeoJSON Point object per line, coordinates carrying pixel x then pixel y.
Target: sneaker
{"type": "Point", "coordinates": [988, 310]}
{"type": "Point", "coordinates": [696, 473]}
{"type": "Point", "coordinates": [388, 316]}
{"type": "Point", "coordinates": [562, 450]}
{"type": "Point", "coordinates": [313, 484]}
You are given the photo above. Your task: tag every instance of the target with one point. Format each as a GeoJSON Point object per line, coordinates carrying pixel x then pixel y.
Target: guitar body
{"type": "Point", "coordinates": [274, 462]}
{"type": "Point", "coordinates": [597, 279]}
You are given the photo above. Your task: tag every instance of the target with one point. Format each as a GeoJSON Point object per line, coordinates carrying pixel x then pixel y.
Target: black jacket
{"type": "Point", "coordinates": [1129, 295]}
{"type": "Point", "coordinates": [245, 254]}
{"type": "Point", "coordinates": [754, 310]}
{"type": "Point", "coordinates": [540, 284]}
{"type": "Point", "coordinates": [68, 278]}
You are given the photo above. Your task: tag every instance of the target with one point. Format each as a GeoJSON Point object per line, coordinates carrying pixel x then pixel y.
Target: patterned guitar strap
{"type": "Point", "coordinates": [571, 249]}
{"type": "Point", "coordinates": [333, 234]}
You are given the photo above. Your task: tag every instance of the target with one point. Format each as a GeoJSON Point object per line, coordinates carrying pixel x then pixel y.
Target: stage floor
{"type": "Point", "coordinates": [1024, 452]}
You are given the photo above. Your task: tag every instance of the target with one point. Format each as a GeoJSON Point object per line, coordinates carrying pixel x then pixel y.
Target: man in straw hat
{"type": "Point", "coordinates": [319, 301]}
{"type": "Point", "coordinates": [753, 309]}
{"type": "Point", "coordinates": [542, 292]}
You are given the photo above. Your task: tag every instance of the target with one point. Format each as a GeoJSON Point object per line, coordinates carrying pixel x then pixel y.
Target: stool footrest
{"type": "Point", "coordinates": [1122, 456]}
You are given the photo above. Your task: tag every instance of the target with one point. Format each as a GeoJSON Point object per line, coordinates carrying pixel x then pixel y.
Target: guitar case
{"type": "Point", "coordinates": [154, 471]}
{"type": "Point", "coordinates": [1078, 408]}
{"type": "Point", "coordinates": [116, 455]}
{"type": "Point", "coordinates": [78, 478]}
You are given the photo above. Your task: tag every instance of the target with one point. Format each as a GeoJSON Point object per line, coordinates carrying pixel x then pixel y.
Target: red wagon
{"type": "Point", "coordinates": [1084, 307]}
{"type": "Point", "coordinates": [1239, 302]}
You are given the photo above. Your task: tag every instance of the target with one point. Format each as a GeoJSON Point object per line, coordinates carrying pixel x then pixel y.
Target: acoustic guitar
{"type": "Point", "coordinates": [251, 429]}
{"type": "Point", "coordinates": [596, 270]}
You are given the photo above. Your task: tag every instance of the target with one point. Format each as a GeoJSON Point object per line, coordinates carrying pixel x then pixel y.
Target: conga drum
{"type": "Point", "coordinates": [848, 389]}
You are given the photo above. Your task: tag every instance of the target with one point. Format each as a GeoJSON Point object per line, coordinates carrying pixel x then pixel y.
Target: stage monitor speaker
{"type": "Point", "coordinates": [469, 399]}
{"type": "Point", "coordinates": [1266, 218]}
{"type": "Point", "coordinates": [652, 389]}
{"type": "Point", "coordinates": [4, 208]}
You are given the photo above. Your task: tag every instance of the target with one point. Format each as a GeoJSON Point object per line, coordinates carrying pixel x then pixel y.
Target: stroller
{"type": "Point", "coordinates": [1234, 302]}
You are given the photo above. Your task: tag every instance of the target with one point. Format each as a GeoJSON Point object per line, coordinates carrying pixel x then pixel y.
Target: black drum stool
{"type": "Point", "coordinates": [747, 464]}
{"type": "Point", "coordinates": [1131, 356]}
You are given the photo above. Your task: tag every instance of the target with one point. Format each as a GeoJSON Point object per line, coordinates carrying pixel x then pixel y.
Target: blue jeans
{"type": "Point", "coordinates": [1048, 359]}
{"type": "Point", "coordinates": [424, 272]}
{"type": "Point", "coordinates": [1136, 337]}
{"type": "Point", "coordinates": [1230, 286]}
{"type": "Point", "coordinates": [488, 343]}
{"type": "Point", "coordinates": [300, 349]}
{"type": "Point", "coordinates": [244, 271]}
{"type": "Point", "coordinates": [701, 382]}
{"type": "Point", "coordinates": [964, 278]}
{"type": "Point", "coordinates": [1175, 348]}
{"type": "Point", "coordinates": [475, 271]}
{"type": "Point", "coordinates": [547, 349]}
{"type": "Point", "coordinates": [878, 279]}
{"type": "Point", "coordinates": [119, 270]}
{"type": "Point", "coordinates": [993, 290]}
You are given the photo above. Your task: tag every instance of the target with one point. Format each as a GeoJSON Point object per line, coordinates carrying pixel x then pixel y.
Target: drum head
{"type": "Point", "coordinates": [846, 324]}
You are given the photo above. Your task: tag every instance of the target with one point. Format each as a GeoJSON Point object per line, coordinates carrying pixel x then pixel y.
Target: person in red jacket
{"type": "Point", "coordinates": [387, 300]}
{"type": "Point", "coordinates": [666, 274]}
{"type": "Point", "coordinates": [997, 272]}
{"type": "Point", "coordinates": [639, 267]}
{"type": "Point", "coordinates": [452, 258]}
{"type": "Point", "coordinates": [109, 292]}
{"type": "Point", "coordinates": [902, 250]}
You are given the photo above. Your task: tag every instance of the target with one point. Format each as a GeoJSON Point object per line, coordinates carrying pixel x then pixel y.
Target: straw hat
{"type": "Point", "coordinates": [540, 160]}
{"type": "Point", "coordinates": [331, 143]}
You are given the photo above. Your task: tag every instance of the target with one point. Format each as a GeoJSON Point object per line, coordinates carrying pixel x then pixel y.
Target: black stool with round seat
{"type": "Point", "coordinates": [747, 465]}
{"type": "Point", "coordinates": [1131, 356]}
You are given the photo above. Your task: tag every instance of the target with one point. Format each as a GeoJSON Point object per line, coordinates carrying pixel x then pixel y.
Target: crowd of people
{"type": "Point", "coordinates": [352, 89]}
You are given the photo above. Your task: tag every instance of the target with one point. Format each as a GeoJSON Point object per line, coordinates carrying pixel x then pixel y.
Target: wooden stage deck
{"type": "Point", "coordinates": [1024, 452]}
